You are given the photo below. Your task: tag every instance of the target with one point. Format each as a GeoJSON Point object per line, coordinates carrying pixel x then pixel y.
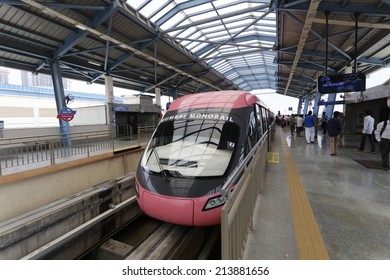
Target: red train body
{"type": "Point", "coordinates": [197, 144]}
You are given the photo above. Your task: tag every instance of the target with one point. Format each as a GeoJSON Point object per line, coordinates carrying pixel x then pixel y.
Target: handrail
{"type": "Point", "coordinates": [237, 172]}
{"type": "Point", "coordinates": [237, 213]}
{"type": "Point", "coordinates": [10, 140]}
{"type": "Point", "coordinates": [18, 154]}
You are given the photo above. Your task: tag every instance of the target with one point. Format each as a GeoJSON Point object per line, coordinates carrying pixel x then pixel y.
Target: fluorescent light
{"type": "Point", "coordinates": [94, 63]}
{"type": "Point", "coordinates": [80, 26]}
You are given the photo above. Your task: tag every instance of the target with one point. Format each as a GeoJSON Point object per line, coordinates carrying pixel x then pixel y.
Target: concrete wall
{"type": "Point", "coordinates": [23, 192]}
{"type": "Point", "coordinates": [375, 99]}
{"type": "Point", "coordinates": [93, 115]}
{"type": "Point", "coordinates": [24, 132]}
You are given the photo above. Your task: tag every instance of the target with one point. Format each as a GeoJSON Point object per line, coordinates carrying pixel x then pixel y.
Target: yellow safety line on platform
{"type": "Point", "coordinates": [309, 240]}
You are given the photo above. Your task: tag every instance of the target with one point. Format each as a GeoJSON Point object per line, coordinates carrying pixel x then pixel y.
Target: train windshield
{"type": "Point", "coordinates": [191, 148]}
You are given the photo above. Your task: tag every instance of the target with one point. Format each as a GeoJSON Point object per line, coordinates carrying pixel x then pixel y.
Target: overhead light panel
{"type": "Point", "coordinates": [94, 63]}
{"type": "Point", "coordinates": [81, 27]}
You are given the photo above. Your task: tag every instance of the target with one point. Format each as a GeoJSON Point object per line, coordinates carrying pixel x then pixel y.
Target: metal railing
{"type": "Point", "coordinates": [237, 213]}
{"type": "Point", "coordinates": [20, 154]}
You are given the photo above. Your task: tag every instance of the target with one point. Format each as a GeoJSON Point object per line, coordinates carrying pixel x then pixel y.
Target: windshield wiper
{"type": "Point", "coordinates": [160, 165]}
{"type": "Point", "coordinates": [188, 163]}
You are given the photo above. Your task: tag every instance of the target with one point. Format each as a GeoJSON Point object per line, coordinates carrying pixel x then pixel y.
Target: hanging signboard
{"type": "Point", "coordinates": [66, 114]}
{"type": "Point", "coordinates": [331, 102]}
{"type": "Point", "coordinates": [342, 83]}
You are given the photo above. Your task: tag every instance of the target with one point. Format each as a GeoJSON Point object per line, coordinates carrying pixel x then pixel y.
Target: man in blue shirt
{"type": "Point", "coordinates": [309, 122]}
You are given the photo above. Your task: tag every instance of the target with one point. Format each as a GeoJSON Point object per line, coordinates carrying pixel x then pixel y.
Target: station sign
{"type": "Point", "coordinates": [123, 108]}
{"type": "Point", "coordinates": [342, 83]}
{"type": "Point", "coordinates": [330, 102]}
{"type": "Point", "coordinates": [66, 114]}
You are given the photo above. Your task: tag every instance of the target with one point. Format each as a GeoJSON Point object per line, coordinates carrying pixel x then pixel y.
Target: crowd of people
{"type": "Point", "coordinates": [311, 125]}
{"type": "Point", "coordinates": [308, 124]}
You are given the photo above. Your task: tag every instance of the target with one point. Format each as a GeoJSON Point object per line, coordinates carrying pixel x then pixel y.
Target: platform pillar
{"type": "Point", "coordinates": [174, 93]}
{"type": "Point", "coordinates": [316, 107]}
{"type": "Point", "coordinates": [157, 92]}
{"type": "Point", "coordinates": [307, 101]}
{"type": "Point", "coordinates": [330, 106]}
{"type": "Point", "coordinates": [60, 100]}
{"type": "Point", "coordinates": [109, 89]}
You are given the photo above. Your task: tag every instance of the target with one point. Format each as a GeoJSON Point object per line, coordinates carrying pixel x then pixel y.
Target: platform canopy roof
{"type": "Point", "coordinates": [197, 45]}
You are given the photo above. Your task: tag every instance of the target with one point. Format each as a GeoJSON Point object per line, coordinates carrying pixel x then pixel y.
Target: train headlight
{"type": "Point", "coordinates": [214, 202]}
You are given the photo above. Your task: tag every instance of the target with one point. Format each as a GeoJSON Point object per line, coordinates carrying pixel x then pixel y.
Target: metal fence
{"type": "Point", "coordinates": [237, 213]}
{"type": "Point", "coordinates": [20, 154]}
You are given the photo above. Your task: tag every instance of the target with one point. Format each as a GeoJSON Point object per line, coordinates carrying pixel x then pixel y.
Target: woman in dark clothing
{"type": "Point", "coordinates": [335, 126]}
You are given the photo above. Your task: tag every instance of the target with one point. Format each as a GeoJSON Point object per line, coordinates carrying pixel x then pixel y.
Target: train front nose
{"type": "Point", "coordinates": [176, 210]}
{"type": "Point", "coordinates": [168, 209]}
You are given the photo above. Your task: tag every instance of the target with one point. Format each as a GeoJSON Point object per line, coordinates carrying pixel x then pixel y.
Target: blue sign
{"type": "Point", "coordinates": [342, 83]}
{"type": "Point", "coordinates": [120, 108]}
{"type": "Point", "coordinates": [66, 114]}
{"type": "Point", "coordinates": [330, 102]}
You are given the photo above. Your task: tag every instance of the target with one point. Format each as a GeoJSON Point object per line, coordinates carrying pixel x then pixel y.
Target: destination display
{"type": "Point", "coordinates": [342, 83]}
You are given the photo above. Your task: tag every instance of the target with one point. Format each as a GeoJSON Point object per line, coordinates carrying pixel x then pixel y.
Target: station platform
{"type": "Point", "coordinates": [317, 206]}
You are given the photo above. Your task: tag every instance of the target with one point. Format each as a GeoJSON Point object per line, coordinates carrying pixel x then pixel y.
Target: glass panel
{"type": "Point", "coordinates": [191, 148]}
{"type": "Point", "coordinates": [215, 31]}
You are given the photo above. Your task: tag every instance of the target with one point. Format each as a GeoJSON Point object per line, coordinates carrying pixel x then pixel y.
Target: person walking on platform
{"type": "Point", "coordinates": [342, 118]}
{"type": "Point", "coordinates": [323, 122]}
{"type": "Point", "coordinates": [293, 122]}
{"type": "Point", "coordinates": [309, 122]}
{"type": "Point", "coordinates": [335, 126]}
{"type": "Point", "coordinates": [368, 128]}
{"type": "Point", "coordinates": [299, 125]}
{"type": "Point", "coordinates": [382, 135]}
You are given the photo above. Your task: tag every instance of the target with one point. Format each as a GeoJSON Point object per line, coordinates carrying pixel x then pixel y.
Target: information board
{"type": "Point", "coordinates": [342, 83]}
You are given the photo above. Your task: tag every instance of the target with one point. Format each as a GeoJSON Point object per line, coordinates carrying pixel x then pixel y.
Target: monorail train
{"type": "Point", "coordinates": [199, 141]}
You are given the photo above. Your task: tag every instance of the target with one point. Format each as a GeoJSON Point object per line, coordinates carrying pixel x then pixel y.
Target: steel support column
{"type": "Point", "coordinates": [307, 101]}
{"type": "Point", "coordinates": [330, 106]}
{"type": "Point", "coordinates": [299, 106]}
{"type": "Point", "coordinates": [174, 93]}
{"type": "Point", "coordinates": [60, 99]}
{"type": "Point", "coordinates": [316, 107]}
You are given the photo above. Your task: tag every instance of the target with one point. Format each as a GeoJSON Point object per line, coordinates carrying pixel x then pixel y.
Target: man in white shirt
{"type": "Point", "coordinates": [368, 128]}
{"type": "Point", "coordinates": [382, 135]}
{"type": "Point", "coordinates": [299, 125]}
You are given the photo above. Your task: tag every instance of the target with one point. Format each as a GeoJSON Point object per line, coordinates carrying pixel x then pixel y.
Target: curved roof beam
{"type": "Point", "coordinates": [210, 19]}
{"type": "Point", "coordinates": [177, 9]}
{"type": "Point", "coordinates": [123, 45]}
{"type": "Point", "coordinates": [232, 39]}
{"type": "Point", "coordinates": [311, 13]}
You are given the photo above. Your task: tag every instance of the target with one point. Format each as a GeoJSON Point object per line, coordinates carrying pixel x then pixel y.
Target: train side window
{"type": "Point", "coordinates": [163, 134]}
{"type": "Point", "coordinates": [259, 120]}
{"type": "Point", "coordinates": [252, 134]}
{"type": "Point", "coordinates": [264, 119]}
{"type": "Point", "coordinates": [229, 136]}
